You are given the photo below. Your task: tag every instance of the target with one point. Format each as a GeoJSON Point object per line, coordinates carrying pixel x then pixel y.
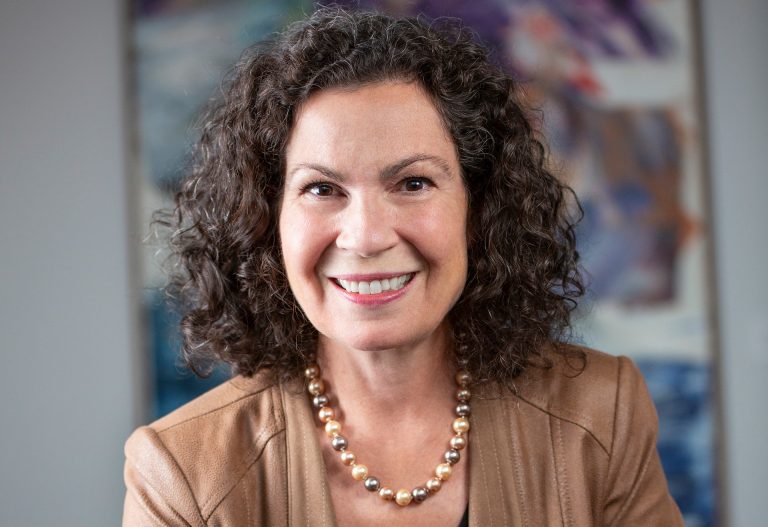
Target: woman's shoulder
{"type": "Point", "coordinates": [204, 448]}
{"type": "Point", "coordinates": [590, 389]}
{"type": "Point", "coordinates": [222, 403]}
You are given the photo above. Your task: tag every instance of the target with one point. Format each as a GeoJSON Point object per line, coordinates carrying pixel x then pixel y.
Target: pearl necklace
{"type": "Point", "coordinates": [403, 497]}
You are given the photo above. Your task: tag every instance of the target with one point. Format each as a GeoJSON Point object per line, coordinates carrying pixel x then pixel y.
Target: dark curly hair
{"type": "Point", "coordinates": [523, 276]}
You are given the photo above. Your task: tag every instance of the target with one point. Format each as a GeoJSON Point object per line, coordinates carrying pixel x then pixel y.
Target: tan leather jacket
{"type": "Point", "coordinates": [566, 450]}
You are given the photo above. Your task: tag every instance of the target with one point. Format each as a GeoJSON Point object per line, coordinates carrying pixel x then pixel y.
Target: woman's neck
{"type": "Point", "coordinates": [371, 387]}
{"type": "Point", "coordinates": [395, 407]}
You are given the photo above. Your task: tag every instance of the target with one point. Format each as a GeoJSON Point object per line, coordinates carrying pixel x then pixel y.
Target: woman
{"type": "Point", "coordinates": [370, 220]}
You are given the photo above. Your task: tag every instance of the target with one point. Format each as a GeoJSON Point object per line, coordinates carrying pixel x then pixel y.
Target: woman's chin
{"type": "Point", "coordinates": [371, 341]}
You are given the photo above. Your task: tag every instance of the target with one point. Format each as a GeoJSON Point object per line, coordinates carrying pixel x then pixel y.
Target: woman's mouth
{"type": "Point", "coordinates": [374, 287]}
{"type": "Point", "coordinates": [373, 292]}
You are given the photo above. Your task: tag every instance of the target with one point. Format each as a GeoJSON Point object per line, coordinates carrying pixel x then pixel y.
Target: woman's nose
{"type": "Point", "coordinates": [367, 227]}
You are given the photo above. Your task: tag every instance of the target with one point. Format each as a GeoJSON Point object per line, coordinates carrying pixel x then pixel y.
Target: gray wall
{"type": "Point", "coordinates": [67, 395]}
{"type": "Point", "coordinates": [735, 46]}
{"type": "Point", "coordinates": [65, 327]}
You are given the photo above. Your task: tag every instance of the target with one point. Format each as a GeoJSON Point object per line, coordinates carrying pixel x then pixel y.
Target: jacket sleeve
{"type": "Point", "coordinates": [637, 492]}
{"type": "Point", "coordinates": [157, 491]}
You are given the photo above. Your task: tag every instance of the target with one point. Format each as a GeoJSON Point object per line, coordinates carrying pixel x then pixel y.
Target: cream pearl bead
{"type": "Point", "coordinates": [461, 425]}
{"type": "Point", "coordinates": [403, 497]}
{"type": "Point", "coordinates": [332, 428]}
{"type": "Point", "coordinates": [359, 472]}
{"type": "Point", "coordinates": [348, 458]}
{"type": "Point", "coordinates": [443, 471]}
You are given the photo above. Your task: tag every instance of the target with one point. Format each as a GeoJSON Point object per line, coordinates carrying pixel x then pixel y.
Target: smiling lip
{"type": "Point", "coordinates": [367, 277]}
{"type": "Point", "coordinates": [376, 299]}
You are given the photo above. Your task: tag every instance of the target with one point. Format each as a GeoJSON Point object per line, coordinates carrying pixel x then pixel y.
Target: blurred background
{"type": "Point", "coordinates": [655, 114]}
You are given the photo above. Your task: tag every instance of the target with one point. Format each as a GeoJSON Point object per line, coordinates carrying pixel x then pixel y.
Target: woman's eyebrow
{"type": "Point", "coordinates": [327, 172]}
{"type": "Point", "coordinates": [393, 169]}
{"type": "Point", "coordinates": [388, 172]}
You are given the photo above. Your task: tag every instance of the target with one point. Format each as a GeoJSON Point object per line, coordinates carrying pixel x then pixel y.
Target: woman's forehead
{"type": "Point", "coordinates": [371, 124]}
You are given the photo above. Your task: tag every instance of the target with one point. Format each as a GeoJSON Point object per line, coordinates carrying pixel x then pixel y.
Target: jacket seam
{"type": "Point", "coordinates": [276, 394]}
{"type": "Point", "coordinates": [150, 485]}
{"type": "Point", "coordinates": [633, 492]}
{"type": "Point", "coordinates": [603, 488]}
{"type": "Point", "coordinates": [561, 477]}
{"type": "Point", "coordinates": [183, 475]}
{"type": "Point", "coordinates": [487, 494]}
{"type": "Point", "coordinates": [211, 411]}
{"type": "Point", "coordinates": [507, 514]}
{"type": "Point", "coordinates": [234, 383]}
{"type": "Point", "coordinates": [287, 459]}
{"type": "Point", "coordinates": [568, 420]}
{"type": "Point", "coordinates": [519, 486]}
{"type": "Point", "coordinates": [242, 476]}
{"type": "Point", "coordinates": [615, 409]}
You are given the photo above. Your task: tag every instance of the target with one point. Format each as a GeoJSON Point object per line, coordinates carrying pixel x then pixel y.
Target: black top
{"type": "Point", "coordinates": [465, 519]}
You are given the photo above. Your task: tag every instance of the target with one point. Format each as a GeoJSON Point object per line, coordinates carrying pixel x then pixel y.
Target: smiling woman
{"type": "Point", "coordinates": [370, 219]}
{"type": "Point", "coordinates": [376, 175]}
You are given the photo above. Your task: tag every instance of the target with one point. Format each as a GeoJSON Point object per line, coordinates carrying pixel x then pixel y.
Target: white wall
{"type": "Point", "coordinates": [735, 47]}
{"type": "Point", "coordinates": [67, 399]}
{"type": "Point", "coordinates": [65, 374]}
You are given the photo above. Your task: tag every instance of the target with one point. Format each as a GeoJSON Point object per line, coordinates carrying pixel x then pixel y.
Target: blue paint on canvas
{"type": "Point", "coordinates": [682, 393]}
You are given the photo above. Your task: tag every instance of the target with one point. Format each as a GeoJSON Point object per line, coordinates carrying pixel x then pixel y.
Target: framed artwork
{"type": "Point", "coordinates": [613, 88]}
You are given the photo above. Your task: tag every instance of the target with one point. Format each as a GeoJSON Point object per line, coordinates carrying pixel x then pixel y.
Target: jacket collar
{"type": "Point", "coordinates": [490, 491]}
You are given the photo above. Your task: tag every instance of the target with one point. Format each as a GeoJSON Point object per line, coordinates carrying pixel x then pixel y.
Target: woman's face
{"type": "Point", "coordinates": [373, 216]}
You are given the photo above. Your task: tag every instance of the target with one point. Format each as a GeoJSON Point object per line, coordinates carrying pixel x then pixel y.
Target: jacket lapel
{"type": "Point", "coordinates": [309, 499]}
{"type": "Point", "coordinates": [494, 498]}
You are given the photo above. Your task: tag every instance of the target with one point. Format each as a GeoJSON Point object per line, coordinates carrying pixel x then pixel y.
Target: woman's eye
{"type": "Point", "coordinates": [415, 184]}
{"type": "Point", "coordinates": [320, 190]}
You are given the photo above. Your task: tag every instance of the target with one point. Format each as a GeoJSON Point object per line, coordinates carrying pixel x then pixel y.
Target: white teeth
{"type": "Point", "coordinates": [375, 286]}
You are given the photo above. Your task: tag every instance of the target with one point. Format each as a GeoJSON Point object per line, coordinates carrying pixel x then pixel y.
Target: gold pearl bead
{"type": "Point", "coordinates": [434, 484]}
{"type": "Point", "coordinates": [463, 378]}
{"type": "Point", "coordinates": [332, 428]}
{"type": "Point", "coordinates": [443, 471]}
{"type": "Point", "coordinates": [312, 371]}
{"type": "Point", "coordinates": [458, 442]}
{"type": "Point", "coordinates": [463, 394]}
{"type": "Point", "coordinates": [359, 472]}
{"type": "Point", "coordinates": [403, 497]}
{"type": "Point", "coordinates": [326, 414]}
{"type": "Point", "coordinates": [461, 425]}
{"type": "Point", "coordinates": [348, 458]}
{"type": "Point", "coordinates": [387, 493]}
{"type": "Point", "coordinates": [316, 386]}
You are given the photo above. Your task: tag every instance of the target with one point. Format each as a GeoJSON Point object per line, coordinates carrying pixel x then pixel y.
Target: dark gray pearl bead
{"type": "Point", "coordinates": [372, 484]}
{"type": "Point", "coordinates": [463, 409]}
{"type": "Point", "coordinates": [320, 400]}
{"type": "Point", "coordinates": [419, 494]}
{"type": "Point", "coordinates": [452, 456]}
{"type": "Point", "coordinates": [339, 443]}
{"type": "Point", "coordinates": [463, 394]}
